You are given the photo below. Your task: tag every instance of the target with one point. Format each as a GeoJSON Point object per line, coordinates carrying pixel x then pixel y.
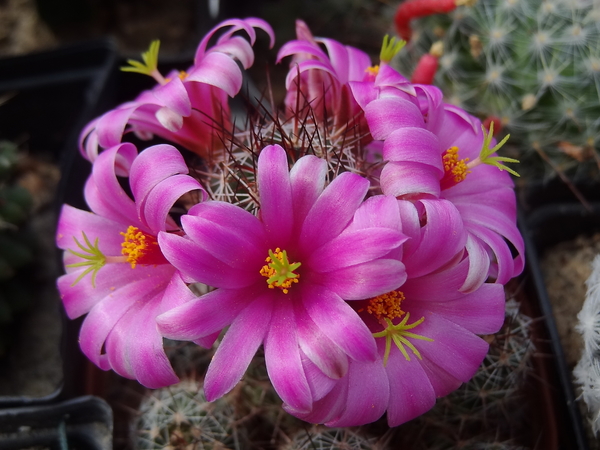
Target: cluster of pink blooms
{"type": "Point", "coordinates": [369, 294]}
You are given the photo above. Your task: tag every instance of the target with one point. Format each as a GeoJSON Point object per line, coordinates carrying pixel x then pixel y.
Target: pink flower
{"type": "Point", "coordinates": [420, 139]}
{"type": "Point", "coordinates": [189, 108]}
{"type": "Point", "coordinates": [450, 157]}
{"type": "Point", "coordinates": [281, 278]}
{"type": "Point", "coordinates": [116, 273]}
{"type": "Point", "coordinates": [320, 79]}
{"type": "Point", "coordinates": [426, 330]}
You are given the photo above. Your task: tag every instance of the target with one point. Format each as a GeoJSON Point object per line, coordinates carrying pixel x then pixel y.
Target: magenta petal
{"type": "Point", "coordinates": [201, 316]}
{"type": "Point", "coordinates": [377, 211]}
{"type": "Point", "coordinates": [111, 126]}
{"type": "Point", "coordinates": [144, 346]}
{"type": "Point", "coordinates": [319, 383]}
{"type": "Point", "coordinates": [72, 222]}
{"type": "Point", "coordinates": [438, 286]}
{"type": "Point", "coordinates": [388, 114]}
{"type": "Point", "coordinates": [355, 247]}
{"type": "Point", "coordinates": [481, 312]}
{"type": "Point", "coordinates": [441, 238]}
{"type": "Point", "coordinates": [174, 96]}
{"type": "Point", "coordinates": [442, 382]}
{"type": "Point", "coordinates": [219, 70]}
{"type": "Point", "coordinates": [196, 263]}
{"type": "Point", "coordinates": [275, 194]}
{"type": "Point", "coordinates": [176, 293]}
{"type": "Point", "coordinates": [338, 321]}
{"type": "Point", "coordinates": [365, 280]}
{"type": "Point", "coordinates": [104, 315]}
{"type": "Point", "coordinates": [368, 394]}
{"type": "Point", "coordinates": [328, 408]}
{"type": "Point", "coordinates": [411, 392]}
{"type": "Point", "coordinates": [407, 178]}
{"type": "Point", "coordinates": [454, 348]}
{"type": "Point", "coordinates": [294, 47]}
{"type": "Point", "coordinates": [479, 264]}
{"type": "Point", "coordinates": [169, 119]}
{"type": "Point", "coordinates": [238, 347]}
{"type": "Point", "coordinates": [152, 166]}
{"type": "Point", "coordinates": [78, 299]}
{"type": "Point", "coordinates": [318, 348]}
{"type": "Point", "coordinates": [226, 243]}
{"type": "Point", "coordinates": [333, 210]}
{"type": "Point", "coordinates": [413, 144]}
{"type": "Point", "coordinates": [238, 48]}
{"type": "Point", "coordinates": [282, 357]}
{"type": "Point", "coordinates": [112, 202]}
{"type": "Point", "coordinates": [307, 179]}
{"type": "Point", "coordinates": [160, 200]}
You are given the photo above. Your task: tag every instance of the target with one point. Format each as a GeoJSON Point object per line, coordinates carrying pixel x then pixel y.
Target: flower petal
{"type": "Point", "coordinates": [333, 210]}
{"type": "Point", "coordinates": [411, 392]}
{"type": "Point", "coordinates": [201, 266]}
{"type": "Point", "coordinates": [364, 280]}
{"type": "Point", "coordinates": [368, 394]}
{"type": "Point", "coordinates": [238, 347]}
{"type": "Point", "coordinates": [201, 316]}
{"type": "Point", "coordinates": [338, 321]}
{"type": "Point", "coordinates": [275, 194]}
{"type": "Point", "coordinates": [282, 357]}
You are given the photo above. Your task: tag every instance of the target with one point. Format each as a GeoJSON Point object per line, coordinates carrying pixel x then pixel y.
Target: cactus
{"type": "Point", "coordinates": [321, 438]}
{"type": "Point", "coordinates": [587, 371]}
{"type": "Point", "coordinates": [476, 415]}
{"type": "Point", "coordinates": [180, 417]}
{"type": "Point", "coordinates": [533, 65]}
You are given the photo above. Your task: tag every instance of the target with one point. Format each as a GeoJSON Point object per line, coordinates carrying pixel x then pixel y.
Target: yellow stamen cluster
{"type": "Point", "coordinates": [136, 245]}
{"type": "Point", "coordinates": [372, 71]}
{"type": "Point", "coordinates": [386, 305]}
{"type": "Point", "coordinates": [278, 271]}
{"type": "Point", "coordinates": [455, 167]}
{"type": "Point", "coordinates": [399, 334]}
{"type": "Point", "coordinates": [182, 75]}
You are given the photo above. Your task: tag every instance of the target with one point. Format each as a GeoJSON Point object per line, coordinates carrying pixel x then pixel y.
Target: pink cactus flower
{"type": "Point", "coordinates": [116, 273]}
{"type": "Point", "coordinates": [426, 330]}
{"type": "Point", "coordinates": [189, 108]}
{"type": "Point", "coordinates": [282, 278]}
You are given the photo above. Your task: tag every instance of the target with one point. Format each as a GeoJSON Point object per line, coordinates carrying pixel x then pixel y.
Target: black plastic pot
{"type": "Point", "coordinates": [51, 96]}
{"type": "Point", "coordinates": [543, 227]}
{"type": "Point", "coordinates": [83, 423]}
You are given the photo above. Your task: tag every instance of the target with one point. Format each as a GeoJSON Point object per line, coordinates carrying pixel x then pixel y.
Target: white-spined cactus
{"type": "Point", "coordinates": [532, 65]}
{"type": "Point", "coordinates": [587, 371]}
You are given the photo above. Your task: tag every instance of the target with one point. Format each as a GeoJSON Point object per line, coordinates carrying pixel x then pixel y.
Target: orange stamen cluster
{"type": "Point", "coordinates": [454, 166]}
{"type": "Point", "coordinates": [372, 72]}
{"type": "Point", "coordinates": [279, 272]}
{"type": "Point", "coordinates": [386, 305]}
{"type": "Point", "coordinates": [138, 246]}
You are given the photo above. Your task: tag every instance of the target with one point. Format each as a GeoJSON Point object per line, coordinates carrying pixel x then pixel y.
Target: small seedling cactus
{"type": "Point", "coordinates": [532, 66]}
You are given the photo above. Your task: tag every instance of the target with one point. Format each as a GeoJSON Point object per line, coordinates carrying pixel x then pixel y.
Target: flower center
{"type": "Point", "coordinates": [371, 73]}
{"type": "Point", "coordinates": [140, 248]}
{"type": "Point", "coordinates": [455, 169]}
{"type": "Point", "coordinates": [386, 305]}
{"type": "Point", "coordinates": [399, 334]}
{"type": "Point", "coordinates": [278, 270]}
